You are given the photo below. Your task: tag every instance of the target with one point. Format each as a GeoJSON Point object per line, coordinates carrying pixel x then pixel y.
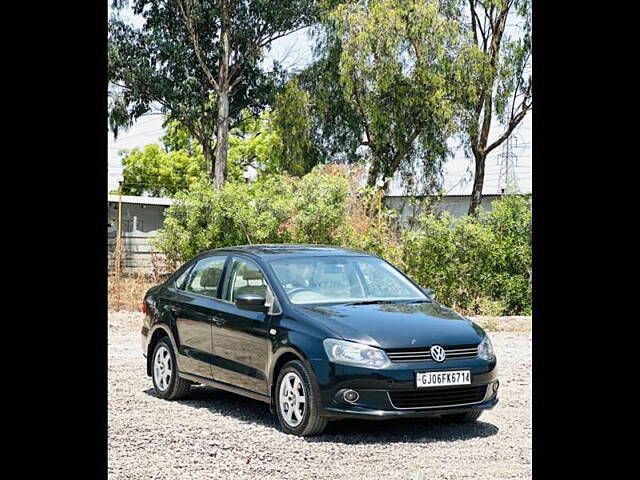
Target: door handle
{"type": "Point", "coordinates": [174, 309]}
{"type": "Point", "coordinates": [218, 321]}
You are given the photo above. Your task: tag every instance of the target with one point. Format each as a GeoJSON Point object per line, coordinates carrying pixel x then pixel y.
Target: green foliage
{"type": "Point", "coordinates": [322, 207]}
{"type": "Point", "coordinates": [157, 65]}
{"type": "Point", "coordinates": [482, 264]}
{"type": "Point", "coordinates": [390, 76]}
{"type": "Point", "coordinates": [320, 203]}
{"type": "Point", "coordinates": [240, 213]}
{"type": "Point", "coordinates": [292, 125]}
{"type": "Point", "coordinates": [256, 141]}
{"type": "Point", "coordinates": [479, 265]}
{"type": "Point", "coordinates": [159, 173]}
{"type": "Point", "coordinates": [253, 143]}
{"type": "Point", "coordinates": [277, 141]}
{"type": "Point", "coordinates": [177, 137]}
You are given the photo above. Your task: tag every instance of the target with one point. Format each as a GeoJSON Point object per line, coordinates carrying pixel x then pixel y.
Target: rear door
{"type": "Point", "coordinates": [193, 306]}
{"type": "Point", "coordinates": [240, 338]}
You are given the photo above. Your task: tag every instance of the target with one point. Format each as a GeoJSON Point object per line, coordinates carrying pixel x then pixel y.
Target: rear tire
{"type": "Point", "coordinates": [164, 372]}
{"type": "Point", "coordinates": [297, 401]}
{"type": "Point", "coordinates": [465, 417]}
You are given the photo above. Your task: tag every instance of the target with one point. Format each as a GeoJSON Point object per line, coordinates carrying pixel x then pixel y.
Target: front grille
{"type": "Point", "coordinates": [423, 354]}
{"type": "Point", "coordinates": [438, 396]}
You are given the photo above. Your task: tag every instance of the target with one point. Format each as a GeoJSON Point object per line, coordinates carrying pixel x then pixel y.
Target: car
{"type": "Point", "coordinates": [319, 333]}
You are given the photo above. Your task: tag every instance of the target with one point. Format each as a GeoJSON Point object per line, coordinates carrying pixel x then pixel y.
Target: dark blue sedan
{"type": "Point", "coordinates": [319, 333]}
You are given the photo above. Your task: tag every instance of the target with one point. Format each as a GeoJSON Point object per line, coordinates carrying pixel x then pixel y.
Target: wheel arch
{"type": "Point", "coordinates": [156, 333]}
{"type": "Point", "coordinates": [284, 356]}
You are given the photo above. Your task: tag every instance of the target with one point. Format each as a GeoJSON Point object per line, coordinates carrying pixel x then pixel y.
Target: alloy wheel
{"type": "Point", "coordinates": [162, 368]}
{"type": "Point", "coordinates": [292, 399]}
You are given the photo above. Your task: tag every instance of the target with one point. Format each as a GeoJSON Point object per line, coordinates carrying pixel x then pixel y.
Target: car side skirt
{"type": "Point", "coordinates": [226, 387]}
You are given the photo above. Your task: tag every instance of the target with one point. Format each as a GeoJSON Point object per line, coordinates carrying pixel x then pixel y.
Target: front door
{"type": "Point", "coordinates": [192, 307]}
{"type": "Point", "coordinates": [240, 337]}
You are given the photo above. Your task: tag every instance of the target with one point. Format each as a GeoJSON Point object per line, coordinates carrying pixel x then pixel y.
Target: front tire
{"type": "Point", "coordinates": [166, 382]}
{"type": "Point", "coordinates": [297, 401]}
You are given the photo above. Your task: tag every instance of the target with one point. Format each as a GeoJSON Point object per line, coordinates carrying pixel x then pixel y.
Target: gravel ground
{"type": "Point", "coordinates": [215, 434]}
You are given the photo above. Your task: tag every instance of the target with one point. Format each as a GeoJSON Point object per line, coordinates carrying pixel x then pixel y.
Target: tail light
{"type": "Point", "coordinates": [144, 306]}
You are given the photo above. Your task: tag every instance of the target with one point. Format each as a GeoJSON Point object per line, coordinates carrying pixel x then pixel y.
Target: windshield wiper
{"type": "Point", "coordinates": [368, 302]}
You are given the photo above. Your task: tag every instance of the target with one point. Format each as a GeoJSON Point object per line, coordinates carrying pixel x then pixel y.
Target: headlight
{"type": "Point", "coordinates": [351, 353]}
{"type": "Point", "coordinates": [485, 349]}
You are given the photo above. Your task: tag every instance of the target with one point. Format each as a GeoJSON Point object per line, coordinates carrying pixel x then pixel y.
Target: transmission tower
{"type": "Point", "coordinates": [508, 161]}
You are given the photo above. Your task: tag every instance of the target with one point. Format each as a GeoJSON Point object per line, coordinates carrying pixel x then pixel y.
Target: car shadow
{"type": "Point", "coordinates": [348, 431]}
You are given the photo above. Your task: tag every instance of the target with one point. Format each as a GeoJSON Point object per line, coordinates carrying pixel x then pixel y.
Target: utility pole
{"type": "Point", "coordinates": [508, 160]}
{"type": "Point", "coordinates": [119, 237]}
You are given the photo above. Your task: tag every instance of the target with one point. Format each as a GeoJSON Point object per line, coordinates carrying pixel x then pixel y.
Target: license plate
{"type": "Point", "coordinates": [442, 379]}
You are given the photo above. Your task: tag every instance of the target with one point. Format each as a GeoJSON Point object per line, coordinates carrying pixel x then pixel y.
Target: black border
{"type": "Point", "coordinates": [62, 118]}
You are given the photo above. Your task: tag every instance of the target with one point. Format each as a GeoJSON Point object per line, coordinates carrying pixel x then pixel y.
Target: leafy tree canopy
{"type": "Point", "coordinates": [271, 143]}
{"type": "Point", "coordinates": [501, 33]}
{"type": "Point", "coordinates": [201, 62]}
{"type": "Point", "coordinates": [162, 171]}
{"type": "Point", "coordinates": [393, 74]}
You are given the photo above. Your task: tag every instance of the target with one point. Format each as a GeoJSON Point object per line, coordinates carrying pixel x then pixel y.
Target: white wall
{"type": "Point", "coordinates": [409, 207]}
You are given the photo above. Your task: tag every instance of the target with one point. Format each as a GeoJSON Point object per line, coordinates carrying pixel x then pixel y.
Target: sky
{"type": "Point", "coordinates": [294, 51]}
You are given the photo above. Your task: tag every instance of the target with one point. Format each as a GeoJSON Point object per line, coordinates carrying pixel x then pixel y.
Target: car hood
{"type": "Point", "coordinates": [397, 325]}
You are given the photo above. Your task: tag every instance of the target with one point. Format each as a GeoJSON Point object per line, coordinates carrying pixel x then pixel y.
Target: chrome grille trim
{"type": "Point", "coordinates": [422, 355]}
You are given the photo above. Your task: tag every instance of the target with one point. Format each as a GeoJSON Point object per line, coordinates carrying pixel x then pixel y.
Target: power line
{"type": "Point", "coordinates": [142, 134]}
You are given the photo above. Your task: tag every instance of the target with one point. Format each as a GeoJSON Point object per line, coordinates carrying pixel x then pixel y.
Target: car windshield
{"type": "Point", "coordinates": [346, 279]}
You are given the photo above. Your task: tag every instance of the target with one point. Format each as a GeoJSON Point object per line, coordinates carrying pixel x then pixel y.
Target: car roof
{"type": "Point", "coordinates": [283, 249]}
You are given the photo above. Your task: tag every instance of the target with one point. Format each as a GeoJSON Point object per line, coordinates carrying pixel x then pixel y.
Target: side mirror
{"type": "Point", "coordinates": [251, 302]}
{"type": "Point", "coordinates": [429, 292]}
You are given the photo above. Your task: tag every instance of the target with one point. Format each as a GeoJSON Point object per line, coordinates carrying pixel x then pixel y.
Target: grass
{"type": "Point", "coordinates": [512, 324]}
{"type": "Point", "coordinates": [128, 292]}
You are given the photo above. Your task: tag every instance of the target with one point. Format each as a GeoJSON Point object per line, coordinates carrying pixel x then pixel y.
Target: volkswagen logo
{"type": "Point", "coordinates": [437, 353]}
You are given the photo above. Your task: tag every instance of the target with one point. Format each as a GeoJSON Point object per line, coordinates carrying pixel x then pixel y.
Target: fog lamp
{"type": "Point", "coordinates": [350, 396]}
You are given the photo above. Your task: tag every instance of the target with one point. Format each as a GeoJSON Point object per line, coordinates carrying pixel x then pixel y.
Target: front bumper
{"type": "Point", "coordinates": [375, 386]}
{"type": "Point", "coordinates": [372, 414]}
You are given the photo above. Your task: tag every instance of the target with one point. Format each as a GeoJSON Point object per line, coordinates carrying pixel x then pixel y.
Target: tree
{"type": "Point", "coordinates": [155, 172]}
{"type": "Point", "coordinates": [278, 141]}
{"type": "Point", "coordinates": [505, 86]}
{"type": "Point", "coordinates": [400, 66]}
{"type": "Point", "coordinates": [243, 30]}
{"type": "Point", "coordinates": [255, 144]}
{"type": "Point", "coordinates": [201, 62]}
{"type": "Point", "coordinates": [163, 171]}
{"type": "Point", "coordinates": [269, 146]}
{"type": "Point", "coordinates": [291, 123]}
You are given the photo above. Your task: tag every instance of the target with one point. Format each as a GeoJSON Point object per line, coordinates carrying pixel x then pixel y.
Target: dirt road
{"type": "Point", "coordinates": [219, 435]}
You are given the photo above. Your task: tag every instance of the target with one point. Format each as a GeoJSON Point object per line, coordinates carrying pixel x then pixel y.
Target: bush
{"type": "Point", "coordinates": [323, 207]}
{"type": "Point", "coordinates": [201, 218]}
{"type": "Point", "coordinates": [480, 265]}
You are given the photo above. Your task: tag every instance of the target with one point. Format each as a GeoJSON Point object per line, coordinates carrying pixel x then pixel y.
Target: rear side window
{"type": "Point", "coordinates": [205, 277]}
{"type": "Point", "coordinates": [245, 277]}
{"type": "Point", "coordinates": [182, 279]}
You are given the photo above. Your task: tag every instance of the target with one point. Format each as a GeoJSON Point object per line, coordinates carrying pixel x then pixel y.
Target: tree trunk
{"type": "Point", "coordinates": [220, 166]}
{"type": "Point", "coordinates": [478, 183]}
{"type": "Point", "coordinates": [479, 148]}
{"type": "Point", "coordinates": [222, 145]}
{"type": "Point", "coordinates": [372, 178]}
{"type": "Point", "coordinates": [209, 157]}
{"type": "Point", "coordinates": [386, 184]}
